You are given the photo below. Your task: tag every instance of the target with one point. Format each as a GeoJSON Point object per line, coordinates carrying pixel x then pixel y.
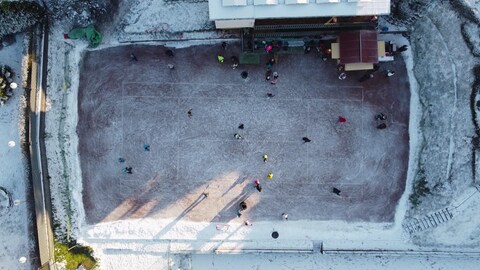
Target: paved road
{"type": "Point", "coordinates": [40, 183]}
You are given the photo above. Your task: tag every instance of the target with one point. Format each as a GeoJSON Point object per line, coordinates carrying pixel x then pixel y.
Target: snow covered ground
{"type": "Point", "coordinates": [443, 67]}
{"type": "Point", "coordinates": [157, 260]}
{"type": "Point", "coordinates": [166, 20]}
{"type": "Point", "coordinates": [16, 222]}
{"type": "Point", "coordinates": [317, 261]}
{"type": "Point", "coordinates": [440, 67]}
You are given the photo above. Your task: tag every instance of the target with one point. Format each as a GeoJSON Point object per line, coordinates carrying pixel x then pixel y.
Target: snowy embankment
{"type": "Point", "coordinates": [443, 68]}
{"type": "Point", "coordinates": [17, 245]}
{"type": "Point", "coordinates": [61, 139]}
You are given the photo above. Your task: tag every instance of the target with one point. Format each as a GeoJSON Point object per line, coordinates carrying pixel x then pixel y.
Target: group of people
{"type": "Point", "coordinates": [129, 169]}
{"type": "Point", "coordinates": [243, 207]}
{"type": "Point", "coordinates": [221, 59]}
{"type": "Point", "coordinates": [256, 183]}
{"type": "Point", "coordinates": [388, 73]}
{"type": "Point", "coordinates": [342, 75]}
{"type": "Point", "coordinates": [271, 76]}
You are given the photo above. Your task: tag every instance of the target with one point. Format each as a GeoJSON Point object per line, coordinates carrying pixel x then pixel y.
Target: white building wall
{"type": "Point", "coordinates": [267, 9]}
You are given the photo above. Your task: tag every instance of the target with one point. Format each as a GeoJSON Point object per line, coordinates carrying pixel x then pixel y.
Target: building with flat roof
{"type": "Point", "coordinates": [229, 14]}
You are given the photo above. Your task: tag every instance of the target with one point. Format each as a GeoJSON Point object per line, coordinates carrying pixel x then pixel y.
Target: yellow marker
{"type": "Point", "coordinates": [265, 157]}
{"type": "Point", "coordinates": [270, 175]}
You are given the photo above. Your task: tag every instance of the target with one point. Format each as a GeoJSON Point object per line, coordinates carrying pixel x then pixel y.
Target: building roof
{"type": "Point", "coordinates": [358, 47]}
{"type": "Point", "coordinates": [273, 9]}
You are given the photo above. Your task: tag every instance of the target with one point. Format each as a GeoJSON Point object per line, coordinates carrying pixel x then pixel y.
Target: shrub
{"type": "Point", "coordinates": [74, 255]}
{"type": "Point", "coordinates": [18, 16]}
{"type": "Point", "coordinates": [420, 189]}
{"type": "Point", "coordinates": [6, 77]}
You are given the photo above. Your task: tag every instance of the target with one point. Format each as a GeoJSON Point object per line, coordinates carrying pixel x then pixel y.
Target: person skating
{"type": "Point", "coordinates": [381, 116]}
{"type": "Point", "coordinates": [234, 60]}
{"type": "Point", "coordinates": [307, 49]}
{"type": "Point", "coordinates": [402, 48]}
{"type": "Point", "coordinates": [128, 170]}
{"type": "Point", "coordinates": [169, 53]}
{"type": "Point", "coordinates": [268, 65]}
{"type": "Point", "coordinates": [268, 48]}
{"type": "Point", "coordinates": [237, 136]}
{"type": "Point", "coordinates": [306, 139]}
{"type": "Point", "coordinates": [275, 78]}
{"type": "Point", "coordinates": [258, 186]}
{"type": "Point", "coordinates": [366, 77]}
{"type": "Point", "coordinates": [268, 75]}
{"type": "Point", "coordinates": [382, 126]}
{"type": "Point", "coordinates": [133, 57]}
{"type": "Point", "coordinates": [243, 207]}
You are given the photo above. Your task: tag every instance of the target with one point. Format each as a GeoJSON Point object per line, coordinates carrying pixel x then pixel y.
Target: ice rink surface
{"type": "Point", "coordinates": [125, 104]}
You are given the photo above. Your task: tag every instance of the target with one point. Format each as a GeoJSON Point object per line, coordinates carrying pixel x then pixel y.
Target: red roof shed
{"type": "Point", "coordinates": [358, 47]}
